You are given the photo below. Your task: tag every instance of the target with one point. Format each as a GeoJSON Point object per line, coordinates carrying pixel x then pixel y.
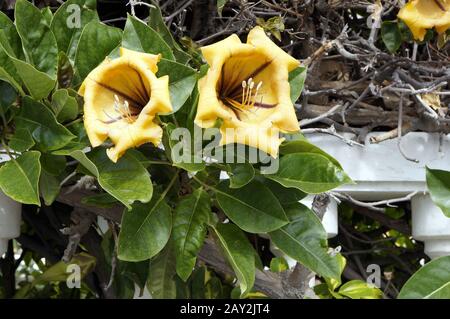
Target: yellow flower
{"type": "Point", "coordinates": [121, 99]}
{"type": "Point", "coordinates": [420, 15]}
{"type": "Point", "coordinates": [247, 87]}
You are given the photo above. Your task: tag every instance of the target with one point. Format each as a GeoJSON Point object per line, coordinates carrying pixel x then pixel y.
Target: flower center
{"type": "Point", "coordinates": [123, 111]}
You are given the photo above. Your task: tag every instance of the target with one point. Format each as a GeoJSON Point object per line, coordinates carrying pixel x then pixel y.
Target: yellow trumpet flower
{"type": "Point", "coordinates": [121, 99]}
{"type": "Point", "coordinates": [247, 87]}
{"type": "Point", "coordinates": [420, 15]}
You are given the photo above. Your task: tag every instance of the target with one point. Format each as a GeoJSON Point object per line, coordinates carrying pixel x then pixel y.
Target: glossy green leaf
{"type": "Point", "coordinates": [220, 5]}
{"type": "Point", "coordinates": [391, 35]}
{"type": "Point", "coordinates": [127, 180]}
{"type": "Point", "coordinates": [297, 79]}
{"type": "Point", "coordinates": [161, 282]}
{"type": "Point", "coordinates": [65, 72]}
{"type": "Point", "coordinates": [239, 254]}
{"type": "Point", "coordinates": [21, 140]}
{"type": "Point", "coordinates": [285, 196]}
{"type": "Point", "coordinates": [311, 173]}
{"type": "Point", "coordinates": [140, 37]}
{"type": "Point", "coordinates": [96, 41]}
{"type": "Point", "coordinates": [38, 41]}
{"type": "Point", "coordinates": [188, 162]}
{"type": "Point", "coordinates": [7, 96]}
{"type": "Point", "coordinates": [303, 146]}
{"type": "Point", "coordinates": [49, 187]}
{"type": "Point", "coordinates": [145, 230]}
{"type": "Point", "coordinates": [69, 21]}
{"type": "Point", "coordinates": [10, 31]}
{"type": "Point", "coordinates": [252, 207]}
{"type": "Point", "coordinates": [305, 240]}
{"type": "Point", "coordinates": [278, 264]}
{"type": "Point", "coordinates": [182, 80]}
{"type": "Point", "coordinates": [438, 183]}
{"type": "Point", "coordinates": [240, 174]}
{"type": "Point", "coordinates": [432, 281]}
{"type": "Point", "coordinates": [189, 229]}
{"type": "Point", "coordinates": [19, 178]}
{"type": "Point", "coordinates": [64, 106]}
{"type": "Point", "coordinates": [358, 289]}
{"type": "Point", "coordinates": [42, 125]}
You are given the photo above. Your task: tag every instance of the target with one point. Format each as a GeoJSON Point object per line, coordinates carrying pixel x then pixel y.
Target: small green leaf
{"type": "Point", "coordinates": [7, 96]}
{"type": "Point", "coordinates": [145, 230]}
{"type": "Point", "coordinates": [9, 29]}
{"type": "Point", "coordinates": [432, 281]}
{"type": "Point", "coordinates": [391, 35]}
{"type": "Point", "coordinates": [140, 37]}
{"type": "Point", "coordinates": [297, 79]}
{"type": "Point", "coordinates": [19, 178]}
{"type": "Point", "coordinates": [305, 240]}
{"type": "Point", "coordinates": [22, 140]}
{"type": "Point", "coordinates": [278, 264]}
{"type": "Point", "coordinates": [252, 207]}
{"type": "Point", "coordinates": [64, 106]}
{"type": "Point", "coordinates": [161, 282]}
{"type": "Point", "coordinates": [96, 41]}
{"type": "Point", "coordinates": [42, 125]}
{"type": "Point", "coordinates": [38, 41]}
{"type": "Point", "coordinates": [303, 146]}
{"type": "Point", "coordinates": [358, 289]}
{"type": "Point", "coordinates": [240, 174]}
{"type": "Point", "coordinates": [182, 80]}
{"type": "Point", "coordinates": [311, 173]}
{"type": "Point", "coordinates": [69, 21]}
{"type": "Point", "coordinates": [239, 254]}
{"type": "Point", "coordinates": [65, 71]}
{"type": "Point", "coordinates": [189, 230]}
{"type": "Point", "coordinates": [127, 180]}
{"type": "Point", "coordinates": [438, 183]}
{"type": "Point", "coordinates": [49, 187]}
{"type": "Point", "coordinates": [220, 5]}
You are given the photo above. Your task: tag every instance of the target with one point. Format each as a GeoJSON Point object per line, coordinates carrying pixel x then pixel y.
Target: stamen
{"type": "Point", "coordinates": [123, 109]}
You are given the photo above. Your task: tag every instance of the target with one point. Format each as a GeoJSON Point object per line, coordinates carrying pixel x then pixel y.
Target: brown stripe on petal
{"type": "Point", "coordinates": [133, 103]}
{"type": "Point", "coordinates": [238, 88]}
{"type": "Point", "coordinates": [440, 5]}
{"type": "Point", "coordinates": [265, 105]}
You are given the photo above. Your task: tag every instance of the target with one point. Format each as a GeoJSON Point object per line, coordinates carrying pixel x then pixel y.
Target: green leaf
{"type": "Point", "coordinates": [220, 5]}
{"type": "Point", "coordinates": [189, 229]}
{"type": "Point", "coordinates": [297, 79]}
{"type": "Point", "coordinates": [140, 37]}
{"type": "Point", "coordinates": [239, 254]}
{"type": "Point", "coordinates": [303, 146]}
{"type": "Point", "coordinates": [7, 96]}
{"type": "Point", "coordinates": [65, 71]}
{"type": "Point", "coordinates": [49, 186]}
{"type": "Point", "coordinates": [188, 161]}
{"type": "Point", "coordinates": [432, 281]}
{"type": "Point", "coordinates": [54, 165]}
{"type": "Point", "coordinates": [19, 178]}
{"type": "Point", "coordinates": [42, 125]}
{"type": "Point", "coordinates": [305, 240]}
{"type": "Point", "coordinates": [21, 140]}
{"type": "Point", "coordinates": [145, 230]}
{"type": "Point", "coordinates": [278, 264]}
{"type": "Point", "coordinates": [161, 282]}
{"type": "Point", "coordinates": [64, 106]}
{"type": "Point", "coordinates": [252, 207]}
{"type": "Point", "coordinates": [311, 173]}
{"type": "Point", "coordinates": [284, 195]}
{"type": "Point", "coordinates": [96, 41]}
{"type": "Point", "coordinates": [182, 80]}
{"type": "Point", "coordinates": [156, 22]}
{"type": "Point", "coordinates": [38, 41]}
{"type": "Point", "coordinates": [69, 21]}
{"type": "Point", "coordinates": [240, 174]}
{"type": "Point", "coordinates": [9, 29]}
{"type": "Point", "coordinates": [358, 289]}
{"type": "Point", "coordinates": [438, 183]}
{"type": "Point", "coordinates": [127, 180]}
{"type": "Point", "coordinates": [391, 35]}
